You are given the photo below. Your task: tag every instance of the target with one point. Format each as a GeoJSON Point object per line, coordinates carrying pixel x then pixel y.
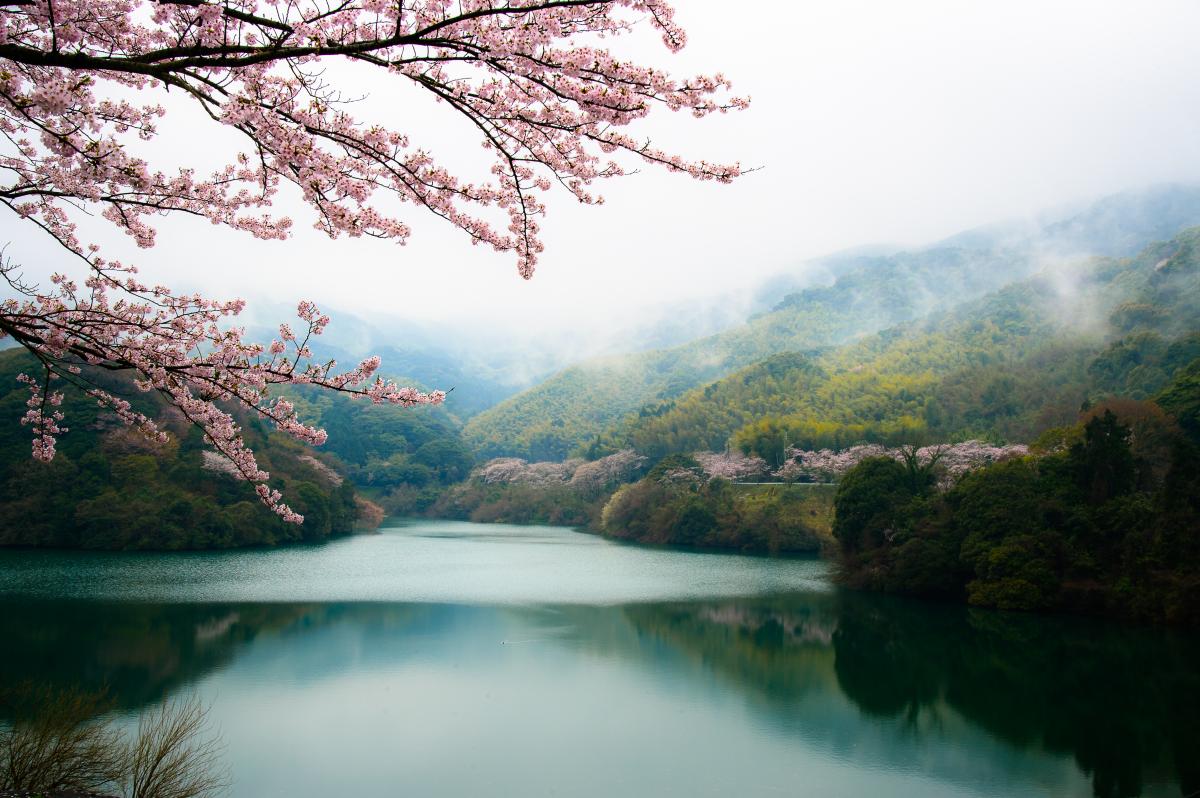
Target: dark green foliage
{"type": "Point", "coordinates": [446, 458]}
{"type": "Point", "coordinates": [881, 505]}
{"type": "Point", "coordinates": [694, 522]}
{"type": "Point", "coordinates": [109, 489]}
{"type": "Point", "coordinates": [385, 447]}
{"type": "Point", "coordinates": [1103, 459]}
{"type": "Point", "coordinates": [1139, 365]}
{"type": "Point", "coordinates": [1109, 525]}
{"type": "Point", "coordinates": [869, 504]}
{"type": "Point", "coordinates": [1182, 399]}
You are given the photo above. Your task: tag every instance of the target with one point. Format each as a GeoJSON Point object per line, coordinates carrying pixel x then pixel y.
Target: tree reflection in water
{"type": "Point", "coordinates": [1124, 702]}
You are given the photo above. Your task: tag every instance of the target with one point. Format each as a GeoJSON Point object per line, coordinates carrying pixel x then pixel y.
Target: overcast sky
{"type": "Point", "coordinates": [894, 122]}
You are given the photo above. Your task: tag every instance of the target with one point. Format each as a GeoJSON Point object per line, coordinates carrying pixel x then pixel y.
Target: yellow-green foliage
{"type": "Point", "coordinates": [721, 515]}
{"type": "Point", "coordinates": [1005, 366]}
{"type": "Point", "coordinates": [515, 503]}
{"type": "Point", "coordinates": [567, 412]}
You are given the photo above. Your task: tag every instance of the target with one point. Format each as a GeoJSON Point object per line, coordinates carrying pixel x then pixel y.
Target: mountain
{"type": "Point", "coordinates": [481, 369]}
{"type": "Point", "coordinates": [869, 292]}
{"type": "Point", "coordinates": [1006, 365]}
{"type": "Point", "coordinates": [399, 456]}
{"type": "Point", "coordinates": [412, 353]}
{"type": "Point", "coordinates": [1116, 226]}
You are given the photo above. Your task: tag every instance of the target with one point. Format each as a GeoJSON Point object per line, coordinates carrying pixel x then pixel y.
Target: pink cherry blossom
{"type": "Point", "coordinates": [614, 469]}
{"type": "Point", "coordinates": [585, 477]}
{"type": "Point", "coordinates": [514, 470]}
{"type": "Point", "coordinates": [733, 466]}
{"type": "Point", "coordinates": [531, 78]}
{"type": "Point", "coordinates": [952, 460]}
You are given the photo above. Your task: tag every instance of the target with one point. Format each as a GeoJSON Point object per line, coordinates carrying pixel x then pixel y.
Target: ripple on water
{"type": "Point", "coordinates": [434, 561]}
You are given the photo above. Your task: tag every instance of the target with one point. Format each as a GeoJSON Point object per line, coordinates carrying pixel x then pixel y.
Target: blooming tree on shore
{"type": "Point", "coordinates": [731, 465]}
{"type": "Point", "coordinates": [585, 477]}
{"type": "Point", "coordinates": [529, 77]}
{"type": "Point", "coordinates": [953, 460]}
{"type": "Point", "coordinates": [596, 475]}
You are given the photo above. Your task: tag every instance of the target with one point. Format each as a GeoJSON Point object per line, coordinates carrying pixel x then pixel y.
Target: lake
{"type": "Point", "coordinates": [455, 659]}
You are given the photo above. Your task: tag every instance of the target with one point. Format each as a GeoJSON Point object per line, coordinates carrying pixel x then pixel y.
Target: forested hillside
{"type": "Point", "coordinates": [565, 414]}
{"type": "Point", "coordinates": [110, 488]}
{"type": "Point", "coordinates": [1102, 517]}
{"type": "Point", "coordinates": [1004, 366]}
{"type": "Point", "coordinates": [399, 456]}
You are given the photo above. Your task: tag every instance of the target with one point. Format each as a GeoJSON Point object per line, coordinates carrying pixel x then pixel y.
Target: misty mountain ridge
{"type": "Point", "coordinates": [708, 336]}
{"type": "Point", "coordinates": [868, 292]}
{"type": "Point", "coordinates": [1006, 365]}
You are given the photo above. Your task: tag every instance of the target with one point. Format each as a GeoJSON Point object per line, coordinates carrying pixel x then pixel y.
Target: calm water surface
{"type": "Point", "coordinates": [455, 659]}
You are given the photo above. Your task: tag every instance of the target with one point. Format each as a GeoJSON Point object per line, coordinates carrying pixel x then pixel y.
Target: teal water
{"type": "Point", "coordinates": [453, 659]}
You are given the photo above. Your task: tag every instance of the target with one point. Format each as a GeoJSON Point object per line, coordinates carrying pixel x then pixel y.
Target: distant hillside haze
{"type": "Point", "coordinates": [1004, 366]}
{"type": "Point", "coordinates": [485, 368]}
{"type": "Point", "coordinates": [869, 292]}
{"type": "Point", "coordinates": [1116, 226]}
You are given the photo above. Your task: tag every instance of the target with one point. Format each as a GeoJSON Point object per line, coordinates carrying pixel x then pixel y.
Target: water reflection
{"type": "Point", "coordinates": [1124, 702]}
{"type": "Point", "coordinates": [958, 702]}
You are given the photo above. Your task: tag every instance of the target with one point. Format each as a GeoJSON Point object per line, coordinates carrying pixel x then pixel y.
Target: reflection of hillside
{"type": "Point", "coordinates": [1125, 703]}
{"type": "Point", "coordinates": [778, 648]}
{"type": "Point", "coordinates": [139, 653]}
{"type": "Point", "coordinates": [977, 699]}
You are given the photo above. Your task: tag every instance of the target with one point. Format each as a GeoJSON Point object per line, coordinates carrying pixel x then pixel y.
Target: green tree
{"type": "Point", "coordinates": [1103, 461]}
{"type": "Point", "coordinates": [870, 504]}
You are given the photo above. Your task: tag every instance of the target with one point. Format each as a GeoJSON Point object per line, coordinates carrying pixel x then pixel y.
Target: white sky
{"type": "Point", "coordinates": [896, 122]}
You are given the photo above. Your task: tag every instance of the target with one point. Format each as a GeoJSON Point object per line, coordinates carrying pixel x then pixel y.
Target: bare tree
{"type": "Point", "coordinates": [55, 742]}
{"type": "Point", "coordinates": [173, 756]}
{"type": "Point", "coordinates": [59, 740]}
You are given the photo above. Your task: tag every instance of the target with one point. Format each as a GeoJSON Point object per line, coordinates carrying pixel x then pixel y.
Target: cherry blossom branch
{"type": "Point", "coordinates": [529, 77]}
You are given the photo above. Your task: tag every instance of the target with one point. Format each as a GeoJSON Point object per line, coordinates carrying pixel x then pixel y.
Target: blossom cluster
{"type": "Point", "coordinates": [577, 473]}
{"type": "Point", "coordinates": [514, 470]}
{"type": "Point", "coordinates": [529, 77]}
{"type": "Point", "coordinates": [618, 467]}
{"type": "Point", "coordinates": [328, 474]}
{"type": "Point", "coordinates": [177, 349]}
{"type": "Point", "coordinates": [827, 465]}
{"type": "Point", "coordinates": [951, 460]}
{"type": "Point", "coordinates": [960, 458]}
{"type": "Point", "coordinates": [211, 461]}
{"type": "Point", "coordinates": [733, 466]}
